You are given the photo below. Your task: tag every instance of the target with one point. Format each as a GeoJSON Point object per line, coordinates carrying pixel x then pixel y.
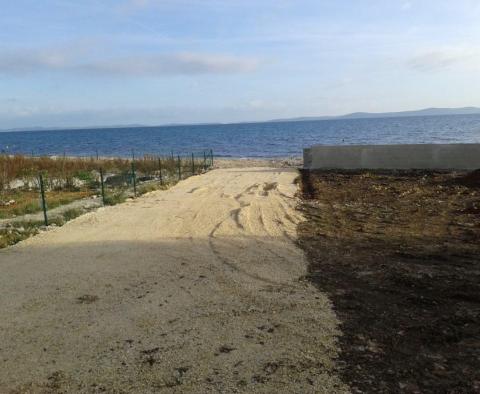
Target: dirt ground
{"type": "Point", "coordinates": [398, 253]}
{"type": "Point", "coordinates": [196, 289]}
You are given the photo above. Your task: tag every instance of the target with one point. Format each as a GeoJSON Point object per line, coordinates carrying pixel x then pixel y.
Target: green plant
{"type": "Point", "coordinates": [149, 187]}
{"type": "Point", "coordinates": [72, 213]}
{"type": "Point", "coordinates": [86, 176]}
{"type": "Point", "coordinates": [12, 235]}
{"type": "Point", "coordinates": [115, 198]}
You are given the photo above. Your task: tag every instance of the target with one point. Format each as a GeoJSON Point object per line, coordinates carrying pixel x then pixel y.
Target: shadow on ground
{"type": "Point", "coordinates": [399, 256]}
{"type": "Point", "coordinates": [189, 315]}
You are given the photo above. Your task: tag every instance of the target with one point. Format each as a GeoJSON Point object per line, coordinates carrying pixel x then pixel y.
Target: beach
{"type": "Point", "coordinates": [272, 162]}
{"type": "Point", "coordinates": [240, 197]}
{"type": "Point", "coordinates": [199, 288]}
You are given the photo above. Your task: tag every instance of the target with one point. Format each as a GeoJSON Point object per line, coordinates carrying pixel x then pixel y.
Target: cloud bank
{"type": "Point", "coordinates": [156, 65]}
{"type": "Point", "coordinates": [443, 58]}
{"type": "Point", "coordinates": [177, 64]}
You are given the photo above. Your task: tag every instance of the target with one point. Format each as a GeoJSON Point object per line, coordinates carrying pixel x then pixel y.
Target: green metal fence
{"type": "Point", "coordinates": [45, 188]}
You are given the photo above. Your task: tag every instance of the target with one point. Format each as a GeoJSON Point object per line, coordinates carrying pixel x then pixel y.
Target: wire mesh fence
{"type": "Point", "coordinates": [53, 189]}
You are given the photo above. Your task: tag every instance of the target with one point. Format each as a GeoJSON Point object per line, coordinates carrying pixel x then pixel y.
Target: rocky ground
{"type": "Point", "coordinates": [274, 162]}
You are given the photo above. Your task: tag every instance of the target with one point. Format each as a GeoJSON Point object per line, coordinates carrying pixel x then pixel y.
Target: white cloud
{"type": "Point", "coordinates": [439, 59]}
{"type": "Point", "coordinates": [23, 62]}
{"type": "Point", "coordinates": [26, 61]}
{"type": "Point", "coordinates": [176, 64]}
{"type": "Point", "coordinates": [133, 5]}
{"type": "Point", "coordinates": [139, 3]}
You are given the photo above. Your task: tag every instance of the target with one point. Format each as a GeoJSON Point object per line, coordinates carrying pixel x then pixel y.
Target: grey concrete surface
{"type": "Point", "coordinates": [418, 156]}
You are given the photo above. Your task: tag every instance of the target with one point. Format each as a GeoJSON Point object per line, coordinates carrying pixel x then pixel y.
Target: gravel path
{"type": "Point", "coordinates": [197, 289]}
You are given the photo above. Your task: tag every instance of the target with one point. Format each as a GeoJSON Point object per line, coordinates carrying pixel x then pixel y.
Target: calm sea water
{"type": "Point", "coordinates": [274, 139]}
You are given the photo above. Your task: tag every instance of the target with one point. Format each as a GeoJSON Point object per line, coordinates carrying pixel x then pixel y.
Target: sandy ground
{"type": "Point", "coordinates": [197, 289]}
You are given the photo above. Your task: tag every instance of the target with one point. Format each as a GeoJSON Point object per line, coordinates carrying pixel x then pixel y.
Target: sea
{"type": "Point", "coordinates": [243, 140]}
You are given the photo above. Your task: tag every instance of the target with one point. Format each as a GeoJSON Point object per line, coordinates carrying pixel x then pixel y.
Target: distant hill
{"type": "Point", "coordinates": [124, 126]}
{"type": "Point", "coordinates": [356, 115]}
{"type": "Point", "coordinates": [369, 115]}
{"type": "Point", "coordinates": [54, 128]}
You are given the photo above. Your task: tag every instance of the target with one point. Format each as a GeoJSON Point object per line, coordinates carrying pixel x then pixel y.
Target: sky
{"type": "Point", "coordinates": [75, 63]}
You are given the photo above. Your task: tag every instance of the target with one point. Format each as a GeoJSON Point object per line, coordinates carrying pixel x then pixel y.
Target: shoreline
{"type": "Point", "coordinates": [245, 159]}
{"type": "Point", "coordinates": [275, 162]}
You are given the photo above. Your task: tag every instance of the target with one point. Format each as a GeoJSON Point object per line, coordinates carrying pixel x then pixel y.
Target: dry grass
{"type": "Point", "coordinates": [61, 171]}
{"type": "Point", "coordinates": [29, 201]}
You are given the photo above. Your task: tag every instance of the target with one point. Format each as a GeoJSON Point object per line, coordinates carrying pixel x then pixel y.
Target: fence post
{"type": "Point", "coordinates": [204, 161]}
{"type": "Point", "coordinates": [193, 164]}
{"type": "Point", "coordinates": [179, 168]}
{"type": "Point", "coordinates": [134, 178]}
{"type": "Point", "coordinates": [44, 203]}
{"type": "Point", "coordinates": [211, 157]}
{"type": "Point", "coordinates": [63, 168]}
{"type": "Point", "coordinates": [160, 170]}
{"type": "Point", "coordinates": [103, 187]}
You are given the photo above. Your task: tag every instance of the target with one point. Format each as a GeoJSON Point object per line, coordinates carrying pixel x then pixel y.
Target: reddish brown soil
{"type": "Point", "coordinates": [399, 255]}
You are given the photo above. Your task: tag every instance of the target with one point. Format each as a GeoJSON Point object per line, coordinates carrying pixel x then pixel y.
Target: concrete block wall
{"type": "Point", "coordinates": [415, 156]}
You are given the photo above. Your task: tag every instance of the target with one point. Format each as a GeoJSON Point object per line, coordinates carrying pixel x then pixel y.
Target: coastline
{"type": "Point", "coordinates": [274, 162]}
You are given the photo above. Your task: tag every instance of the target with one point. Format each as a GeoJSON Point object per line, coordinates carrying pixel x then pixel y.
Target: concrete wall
{"type": "Point", "coordinates": [421, 156]}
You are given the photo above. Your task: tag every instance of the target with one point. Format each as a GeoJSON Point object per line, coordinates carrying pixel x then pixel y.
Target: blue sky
{"type": "Point", "coordinates": [99, 62]}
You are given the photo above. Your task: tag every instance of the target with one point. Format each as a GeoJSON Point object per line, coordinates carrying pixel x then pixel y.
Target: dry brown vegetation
{"type": "Point", "coordinates": [28, 201]}
{"type": "Point", "coordinates": [66, 168]}
{"type": "Point", "coordinates": [67, 179]}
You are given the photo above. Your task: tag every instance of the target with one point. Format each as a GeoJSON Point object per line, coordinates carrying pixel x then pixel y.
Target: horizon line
{"type": "Point", "coordinates": [349, 116]}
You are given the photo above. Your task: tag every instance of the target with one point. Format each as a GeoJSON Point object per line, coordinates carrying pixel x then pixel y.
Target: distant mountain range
{"type": "Point", "coordinates": [41, 128]}
{"type": "Point", "coordinates": [355, 115]}
{"type": "Point", "coordinates": [123, 126]}
{"type": "Point", "coordinates": [370, 115]}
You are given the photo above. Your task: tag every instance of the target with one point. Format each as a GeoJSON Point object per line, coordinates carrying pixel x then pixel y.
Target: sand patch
{"type": "Point", "coordinates": [195, 289]}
